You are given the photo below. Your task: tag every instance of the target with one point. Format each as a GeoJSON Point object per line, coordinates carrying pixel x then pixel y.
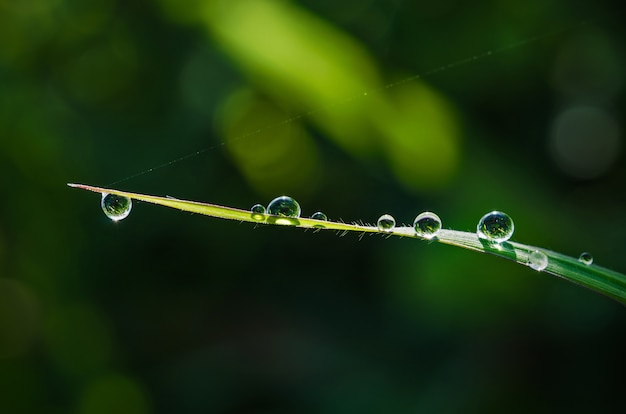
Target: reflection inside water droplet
{"type": "Point", "coordinates": [537, 260]}
{"type": "Point", "coordinates": [386, 222]}
{"type": "Point", "coordinates": [427, 225]}
{"type": "Point", "coordinates": [258, 212]}
{"type": "Point", "coordinates": [319, 216]}
{"type": "Point", "coordinates": [284, 206]}
{"type": "Point", "coordinates": [495, 226]}
{"type": "Point", "coordinates": [116, 207]}
{"type": "Point", "coordinates": [586, 258]}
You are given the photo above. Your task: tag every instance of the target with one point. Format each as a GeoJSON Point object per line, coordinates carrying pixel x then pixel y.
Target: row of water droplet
{"type": "Point", "coordinates": [538, 260]}
{"type": "Point", "coordinates": [426, 225]}
{"type": "Point", "coordinates": [283, 206]}
{"type": "Point", "coordinates": [494, 227]}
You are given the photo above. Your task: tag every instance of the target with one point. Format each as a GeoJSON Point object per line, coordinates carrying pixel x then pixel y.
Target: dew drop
{"type": "Point", "coordinates": [537, 260]}
{"type": "Point", "coordinates": [427, 225]}
{"type": "Point", "coordinates": [586, 258]}
{"type": "Point", "coordinates": [496, 227]}
{"type": "Point", "coordinates": [386, 222]}
{"type": "Point", "coordinates": [116, 207]}
{"type": "Point", "coordinates": [319, 216]}
{"type": "Point", "coordinates": [258, 212]}
{"type": "Point", "coordinates": [284, 206]}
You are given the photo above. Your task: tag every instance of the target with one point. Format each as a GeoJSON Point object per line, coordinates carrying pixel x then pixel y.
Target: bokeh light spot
{"type": "Point", "coordinates": [114, 394]}
{"type": "Point", "coordinates": [79, 340]}
{"type": "Point", "coordinates": [421, 137]}
{"type": "Point", "coordinates": [273, 160]}
{"type": "Point", "coordinates": [18, 318]}
{"type": "Point", "coordinates": [588, 68]}
{"type": "Point", "coordinates": [585, 142]}
{"type": "Point", "coordinates": [104, 72]}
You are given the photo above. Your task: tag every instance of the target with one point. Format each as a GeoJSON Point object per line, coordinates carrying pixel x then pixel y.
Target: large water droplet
{"type": "Point", "coordinates": [116, 207]}
{"type": "Point", "coordinates": [427, 225]}
{"type": "Point", "coordinates": [386, 222]}
{"type": "Point", "coordinates": [586, 258]}
{"type": "Point", "coordinates": [258, 212]}
{"type": "Point", "coordinates": [496, 227]}
{"type": "Point", "coordinates": [538, 260]}
{"type": "Point", "coordinates": [319, 216]}
{"type": "Point", "coordinates": [284, 206]}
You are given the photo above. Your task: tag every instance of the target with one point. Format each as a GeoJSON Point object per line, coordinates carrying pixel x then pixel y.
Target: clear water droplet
{"type": "Point", "coordinates": [386, 222]}
{"type": "Point", "coordinates": [258, 212]}
{"type": "Point", "coordinates": [319, 216]}
{"type": "Point", "coordinates": [538, 260]}
{"type": "Point", "coordinates": [586, 258]}
{"type": "Point", "coordinates": [116, 207]}
{"type": "Point", "coordinates": [495, 226]}
{"type": "Point", "coordinates": [284, 206]}
{"type": "Point", "coordinates": [427, 225]}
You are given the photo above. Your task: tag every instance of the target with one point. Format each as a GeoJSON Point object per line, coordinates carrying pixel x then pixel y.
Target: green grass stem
{"type": "Point", "coordinates": [596, 278]}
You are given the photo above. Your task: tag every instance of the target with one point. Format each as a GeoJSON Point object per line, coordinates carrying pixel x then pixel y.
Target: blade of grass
{"type": "Point", "coordinates": [593, 277]}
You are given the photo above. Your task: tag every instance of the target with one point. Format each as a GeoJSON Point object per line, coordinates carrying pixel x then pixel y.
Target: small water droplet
{"type": "Point", "coordinates": [258, 212]}
{"type": "Point", "coordinates": [386, 222]}
{"type": "Point", "coordinates": [319, 216]}
{"type": "Point", "coordinates": [284, 206]}
{"type": "Point", "coordinates": [427, 225]}
{"type": "Point", "coordinates": [495, 226]}
{"type": "Point", "coordinates": [116, 207]}
{"type": "Point", "coordinates": [537, 260]}
{"type": "Point", "coordinates": [586, 258]}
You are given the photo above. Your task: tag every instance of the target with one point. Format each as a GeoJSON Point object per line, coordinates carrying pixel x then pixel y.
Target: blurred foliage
{"type": "Point", "coordinates": [161, 313]}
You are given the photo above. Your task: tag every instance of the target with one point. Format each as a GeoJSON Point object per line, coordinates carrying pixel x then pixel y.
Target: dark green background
{"type": "Point", "coordinates": [167, 312]}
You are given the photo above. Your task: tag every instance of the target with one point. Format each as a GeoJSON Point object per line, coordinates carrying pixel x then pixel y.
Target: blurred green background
{"type": "Point", "coordinates": [518, 107]}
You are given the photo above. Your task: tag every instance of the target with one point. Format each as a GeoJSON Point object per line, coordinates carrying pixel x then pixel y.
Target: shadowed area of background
{"type": "Point", "coordinates": [518, 106]}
